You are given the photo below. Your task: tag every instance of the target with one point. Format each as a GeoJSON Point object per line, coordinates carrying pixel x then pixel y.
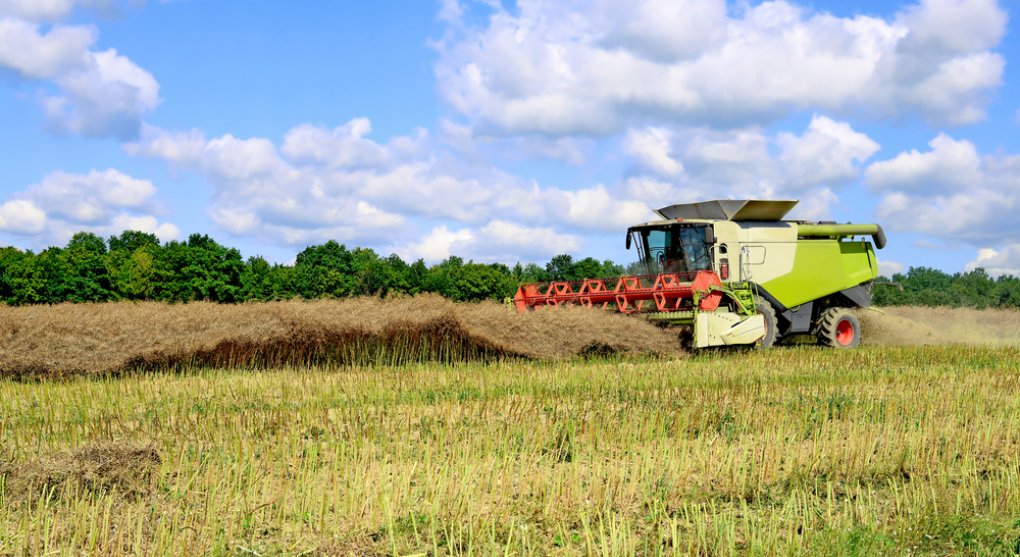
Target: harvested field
{"type": "Point", "coordinates": [283, 436]}
{"type": "Point", "coordinates": [796, 451]}
{"type": "Point", "coordinates": [77, 339]}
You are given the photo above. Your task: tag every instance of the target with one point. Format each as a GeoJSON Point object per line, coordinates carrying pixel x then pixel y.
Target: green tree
{"type": "Point", "coordinates": [132, 240]}
{"type": "Point", "coordinates": [1007, 292]}
{"type": "Point", "coordinates": [560, 267]}
{"type": "Point", "coordinates": [133, 273]}
{"type": "Point", "coordinates": [15, 268]}
{"type": "Point", "coordinates": [973, 289]}
{"type": "Point", "coordinates": [85, 275]}
{"type": "Point", "coordinates": [325, 271]}
{"type": "Point", "coordinates": [257, 280]}
{"type": "Point", "coordinates": [417, 277]}
{"type": "Point", "coordinates": [199, 269]}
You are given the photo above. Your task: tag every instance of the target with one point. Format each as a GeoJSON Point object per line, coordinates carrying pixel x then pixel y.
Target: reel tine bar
{"type": "Point", "coordinates": [668, 291]}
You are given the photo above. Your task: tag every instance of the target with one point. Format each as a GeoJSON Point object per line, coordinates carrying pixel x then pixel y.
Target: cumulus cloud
{"type": "Point", "coordinates": [889, 268]}
{"type": "Point", "coordinates": [347, 146]}
{"type": "Point", "coordinates": [498, 241]}
{"type": "Point", "coordinates": [567, 67]}
{"type": "Point", "coordinates": [21, 216]}
{"type": "Point", "coordinates": [37, 10]}
{"type": "Point", "coordinates": [997, 262]}
{"type": "Point", "coordinates": [651, 148]}
{"type": "Point", "coordinates": [439, 244]}
{"type": "Point", "coordinates": [408, 193]}
{"type": "Point", "coordinates": [949, 165]}
{"type": "Point", "coordinates": [950, 192]}
{"type": "Point", "coordinates": [690, 164]}
{"type": "Point", "coordinates": [57, 10]}
{"type": "Point", "coordinates": [469, 144]}
{"type": "Point", "coordinates": [828, 152]}
{"type": "Point", "coordinates": [84, 91]}
{"type": "Point", "coordinates": [105, 202]}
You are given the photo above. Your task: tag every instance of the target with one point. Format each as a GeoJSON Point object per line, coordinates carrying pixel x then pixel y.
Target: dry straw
{"type": "Point", "coordinates": [98, 468]}
{"type": "Point", "coordinates": [89, 339]}
{"type": "Point", "coordinates": [76, 339]}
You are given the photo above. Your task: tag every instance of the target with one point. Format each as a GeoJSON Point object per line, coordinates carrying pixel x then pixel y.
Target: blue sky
{"type": "Point", "coordinates": [507, 131]}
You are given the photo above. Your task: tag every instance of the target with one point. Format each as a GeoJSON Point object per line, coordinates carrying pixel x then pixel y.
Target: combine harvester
{"type": "Point", "coordinates": [733, 272]}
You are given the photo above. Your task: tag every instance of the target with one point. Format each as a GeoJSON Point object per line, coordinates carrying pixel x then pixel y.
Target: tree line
{"type": "Point", "coordinates": [924, 286]}
{"type": "Point", "coordinates": [137, 266]}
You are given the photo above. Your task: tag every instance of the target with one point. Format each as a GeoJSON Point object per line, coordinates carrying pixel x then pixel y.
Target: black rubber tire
{"type": "Point", "coordinates": [771, 331]}
{"type": "Point", "coordinates": [838, 328]}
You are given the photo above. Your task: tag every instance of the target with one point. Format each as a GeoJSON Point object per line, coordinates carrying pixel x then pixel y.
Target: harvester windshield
{"type": "Point", "coordinates": [673, 248]}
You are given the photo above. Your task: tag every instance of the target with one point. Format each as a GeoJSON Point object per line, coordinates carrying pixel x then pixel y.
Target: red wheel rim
{"type": "Point", "coordinates": [844, 332]}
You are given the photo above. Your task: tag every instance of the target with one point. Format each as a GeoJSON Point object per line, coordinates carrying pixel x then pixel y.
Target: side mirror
{"type": "Point", "coordinates": [628, 239]}
{"type": "Point", "coordinates": [709, 235]}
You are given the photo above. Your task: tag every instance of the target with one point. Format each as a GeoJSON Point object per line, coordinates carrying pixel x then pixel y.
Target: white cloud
{"type": "Point", "coordinates": [340, 184]}
{"type": "Point", "coordinates": [92, 198]}
{"type": "Point", "coordinates": [828, 152]}
{"type": "Point", "coordinates": [497, 241]}
{"type": "Point", "coordinates": [595, 208]}
{"type": "Point", "coordinates": [450, 11]}
{"type": "Point", "coordinates": [21, 216]}
{"type": "Point", "coordinates": [321, 184]}
{"type": "Point", "coordinates": [105, 202]}
{"type": "Point", "coordinates": [653, 190]}
{"type": "Point", "coordinates": [37, 10]}
{"type": "Point", "coordinates": [815, 204]}
{"type": "Point", "coordinates": [500, 236]}
{"type": "Point", "coordinates": [108, 98]}
{"type": "Point", "coordinates": [437, 245]}
{"type": "Point", "coordinates": [950, 192]}
{"type": "Point", "coordinates": [85, 91]}
{"type": "Point", "coordinates": [651, 148]}
{"type": "Point", "coordinates": [57, 10]}
{"type": "Point", "coordinates": [662, 31]}
{"type": "Point", "coordinates": [347, 146]}
{"type": "Point", "coordinates": [144, 223]}
{"type": "Point", "coordinates": [563, 67]}
{"type": "Point", "coordinates": [736, 158]}
{"type": "Point", "coordinates": [889, 268]}
{"type": "Point", "coordinates": [952, 26]}
{"type": "Point", "coordinates": [179, 148]}
{"type": "Point", "coordinates": [1004, 261]}
{"type": "Point", "coordinates": [749, 163]}
{"type": "Point", "coordinates": [34, 55]}
{"type": "Point", "coordinates": [471, 145]}
{"type": "Point", "coordinates": [949, 165]}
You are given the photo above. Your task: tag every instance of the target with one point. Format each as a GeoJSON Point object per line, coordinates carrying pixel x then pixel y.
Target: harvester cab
{"type": "Point", "coordinates": [733, 272]}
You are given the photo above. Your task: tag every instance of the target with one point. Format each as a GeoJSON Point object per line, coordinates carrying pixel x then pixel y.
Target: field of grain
{"type": "Point", "coordinates": [420, 427]}
{"type": "Point", "coordinates": [790, 451]}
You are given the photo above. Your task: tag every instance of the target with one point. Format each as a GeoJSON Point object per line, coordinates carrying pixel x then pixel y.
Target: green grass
{"type": "Point", "coordinates": [877, 451]}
